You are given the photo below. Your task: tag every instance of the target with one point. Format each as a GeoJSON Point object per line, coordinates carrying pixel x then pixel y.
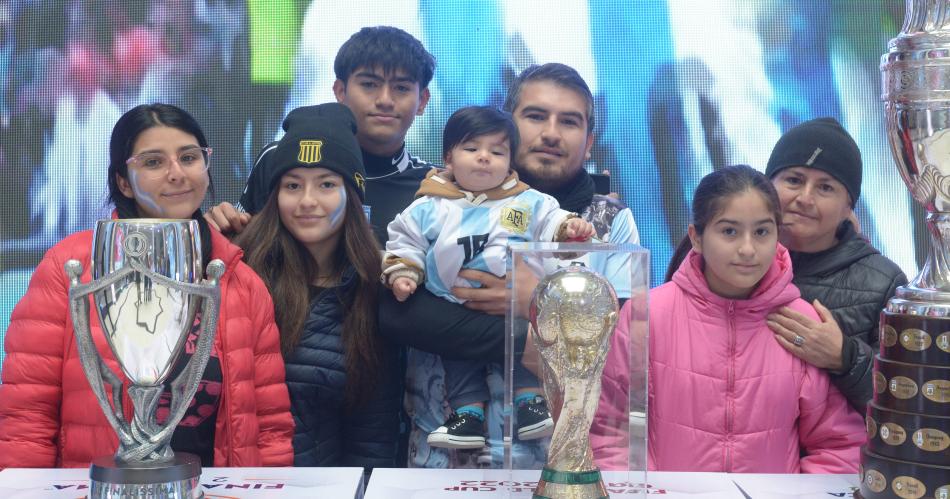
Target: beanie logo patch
{"type": "Point", "coordinates": [360, 181]}
{"type": "Point", "coordinates": [310, 151]}
{"type": "Point", "coordinates": [814, 156]}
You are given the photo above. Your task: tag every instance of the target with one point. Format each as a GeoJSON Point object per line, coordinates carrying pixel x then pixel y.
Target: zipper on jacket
{"type": "Point", "coordinates": [224, 402]}
{"type": "Point", "coordinates": [730, 385]}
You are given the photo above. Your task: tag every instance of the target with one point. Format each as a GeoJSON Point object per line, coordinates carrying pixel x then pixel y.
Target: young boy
{"type": "Point", "coordinates": [382, 75]}
{"type": "Point", "coordinates": [465, 218]}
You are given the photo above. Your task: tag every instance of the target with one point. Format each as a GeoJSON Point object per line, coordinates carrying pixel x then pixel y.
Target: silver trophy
{"type": "Point", "coordinates": [573, 313]}
{"type": "Point", "coordinates": [910, 370]}
{"type": "Point", "coordinates": [916, 93]}
{"type": "Point", "coordinates": [146, 285]}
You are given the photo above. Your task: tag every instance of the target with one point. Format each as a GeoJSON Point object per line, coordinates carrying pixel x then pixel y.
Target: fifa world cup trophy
{"type": "Point", "coordinates": [908, 420]}
{"type": "Point", "coordinates": [572, 317]}
{"type": "Point", "coordinates": [147, 289]}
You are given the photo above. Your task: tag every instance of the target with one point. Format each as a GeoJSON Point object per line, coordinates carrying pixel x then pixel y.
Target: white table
{"type": "Point", "coordinates": [258, 483]}
{"type": "Point", "coordinates": [798, 486]}
{"type": "Point", "coordinates": [519, 484]}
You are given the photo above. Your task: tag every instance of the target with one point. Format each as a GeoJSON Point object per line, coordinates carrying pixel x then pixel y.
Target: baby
{"type": "Point", "coordinates": [464, 218]}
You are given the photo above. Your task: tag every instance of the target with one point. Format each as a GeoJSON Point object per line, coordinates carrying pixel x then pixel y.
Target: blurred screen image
{"type": "Point", "coordinates": [681, 88]}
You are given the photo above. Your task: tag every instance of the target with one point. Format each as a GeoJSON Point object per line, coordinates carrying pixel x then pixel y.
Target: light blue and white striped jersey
{"type": "Point", "coordinates": [444, 236]}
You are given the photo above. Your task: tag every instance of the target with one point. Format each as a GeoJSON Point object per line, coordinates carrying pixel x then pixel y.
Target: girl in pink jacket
{"type": "Point", "coordinates": [723, 394]}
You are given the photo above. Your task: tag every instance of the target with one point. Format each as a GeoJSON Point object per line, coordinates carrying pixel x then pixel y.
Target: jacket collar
{"type": "Point", "coordinates": [224, 250]}
{"type": "Point", "coordinates": [378, 166]}
{"type": "Point", "coordinates": [850, 248]}
{"type": "Point", "coordinates": [338, 292]}
{"type": "Point", "coordinates": [774, 289]}
{"type": "Point", "coordinates": [441, 183]}
{"type": "Point", "coordinates": [577, 194]}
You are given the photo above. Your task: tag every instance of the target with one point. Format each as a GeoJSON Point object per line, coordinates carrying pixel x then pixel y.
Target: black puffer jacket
{"type": "Point", "coordinates": [854, 281]}
{"type": "Point", "coordinates": [326, 434]}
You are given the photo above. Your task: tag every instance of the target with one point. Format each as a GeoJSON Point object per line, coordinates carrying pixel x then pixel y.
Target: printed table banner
{"type": "Point", "coordinates": [216, 483]}
{"type": "Point", "coordinates": [519, 484]}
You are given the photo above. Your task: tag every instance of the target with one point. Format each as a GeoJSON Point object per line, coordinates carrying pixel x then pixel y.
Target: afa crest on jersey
{"type": "Point", "coordinates": [516, 218]}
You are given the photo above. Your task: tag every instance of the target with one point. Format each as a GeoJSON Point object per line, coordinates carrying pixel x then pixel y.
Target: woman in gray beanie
{"type": "Point", "coordinates": [816, 169]}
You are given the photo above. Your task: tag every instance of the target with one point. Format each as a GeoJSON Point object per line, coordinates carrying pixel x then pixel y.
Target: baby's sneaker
{"type": "Point", "coordinates": [460, 431]}
{"type": "Point", "coordinates": [534, 419]}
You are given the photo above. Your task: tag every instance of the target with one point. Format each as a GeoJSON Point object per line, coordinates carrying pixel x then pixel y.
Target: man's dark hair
{"type": "Point", "coordinates": [387, 48]}
{"type": "Point", "coordinates": [559, 74]}
{"type": "Point", "coordinates": [476, 121]}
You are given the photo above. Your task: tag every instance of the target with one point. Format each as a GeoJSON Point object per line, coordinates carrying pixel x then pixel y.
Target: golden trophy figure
{"type": "Point", "coordinates": [572, 317]}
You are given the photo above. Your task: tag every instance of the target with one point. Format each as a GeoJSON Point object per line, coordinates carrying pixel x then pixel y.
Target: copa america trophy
{"type": "Point", "coordinates": [572, 317]}
{"type": "Point", "coordinates": [908, 425]}
{"type": "Point", "coordinates": [147, 289]}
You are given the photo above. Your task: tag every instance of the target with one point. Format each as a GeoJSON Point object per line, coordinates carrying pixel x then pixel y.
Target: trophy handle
{"type": "Point", "coordinates": [91, 362]}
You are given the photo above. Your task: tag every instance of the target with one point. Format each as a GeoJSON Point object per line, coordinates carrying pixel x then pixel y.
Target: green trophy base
{"type": "Point", "coordinates": [570, 485]}
{"type": "Point", "coordinates": [175, 479]}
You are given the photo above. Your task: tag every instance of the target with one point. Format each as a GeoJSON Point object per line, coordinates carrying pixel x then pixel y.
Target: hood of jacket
{"type": "Point", "coordinates": [441, 183]}
{"type": "Point", "coordinates": [850, 249]}
{"type": "Point", "coordinates": [774, 289]}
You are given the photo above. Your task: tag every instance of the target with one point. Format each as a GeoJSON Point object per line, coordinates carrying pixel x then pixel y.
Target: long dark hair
{"type": "Point", "coordinates": [124, 134]}
{"type": "Point", "coordinates": [713, 192]}
{"type": "Point", "coordinates": [287, 269]}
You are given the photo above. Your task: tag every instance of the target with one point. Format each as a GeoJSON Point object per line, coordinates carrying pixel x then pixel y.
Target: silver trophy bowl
{"type": "Point", "coordinates": [147, 288]}
{"type": "Point", "coordinates": [916, 92]}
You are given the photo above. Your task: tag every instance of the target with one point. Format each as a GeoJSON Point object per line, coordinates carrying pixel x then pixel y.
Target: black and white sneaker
{"type": "Point", "coordinates": [534, 419]}
{"type": "Point", "coordinates": [460, 431]}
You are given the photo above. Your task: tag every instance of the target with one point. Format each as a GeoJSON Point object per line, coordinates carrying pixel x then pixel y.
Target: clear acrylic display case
{"type": "Point", "coordinates": [618, 429]}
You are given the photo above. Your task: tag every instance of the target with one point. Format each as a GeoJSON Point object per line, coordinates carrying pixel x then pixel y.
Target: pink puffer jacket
{"type": "Point", "coordinates": [725, 396]}
{"type": "Point", "coordinates": [49, 416]}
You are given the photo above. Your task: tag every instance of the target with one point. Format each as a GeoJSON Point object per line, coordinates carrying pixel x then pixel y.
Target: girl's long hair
{"type": "Point", "coordinates": [124, 134]}
{"type": "Point", "coordinates": [713, 192]}
{"type": "Point", "coordinates": [287, 268]}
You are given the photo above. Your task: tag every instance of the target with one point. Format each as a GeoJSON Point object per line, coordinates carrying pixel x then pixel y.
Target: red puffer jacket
{"type": "Point", "coordinates": [49, 416]}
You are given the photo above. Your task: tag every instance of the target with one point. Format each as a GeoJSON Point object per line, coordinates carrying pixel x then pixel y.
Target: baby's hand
{"type": "Point", "coordinates": [578, 230]}
{"type": "Point", "coordinates": [403, 287]}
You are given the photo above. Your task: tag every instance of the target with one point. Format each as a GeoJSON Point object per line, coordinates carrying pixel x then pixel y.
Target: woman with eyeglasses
{"type": "Point", "coordinates": [240, 415]}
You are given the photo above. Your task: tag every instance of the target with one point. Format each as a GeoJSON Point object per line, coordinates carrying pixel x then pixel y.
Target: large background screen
{"type": "Point", "coordinates": [681, 87]}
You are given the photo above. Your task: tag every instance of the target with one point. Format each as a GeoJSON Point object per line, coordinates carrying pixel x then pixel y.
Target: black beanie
{"type": "Point", "coordinates": [822, 144]}
{"type": "Point", "coordinates": [322, 136]}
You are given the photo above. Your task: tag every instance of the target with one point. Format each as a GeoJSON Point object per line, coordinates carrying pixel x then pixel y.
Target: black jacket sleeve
{"type": "Point", "coordinates": [371, 431]}
{"type": "Point", "coordinates": [431, 324]}
{"type": "Point", "coordinates": [855, 381]}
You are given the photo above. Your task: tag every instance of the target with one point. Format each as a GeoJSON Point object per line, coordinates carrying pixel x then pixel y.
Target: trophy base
{"type": "Point", "coordinates": [886, 478]}
{"type": "Point", "coordinates": [175, 479]}
{"type": "Point", "coordinates": [570, 485]}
